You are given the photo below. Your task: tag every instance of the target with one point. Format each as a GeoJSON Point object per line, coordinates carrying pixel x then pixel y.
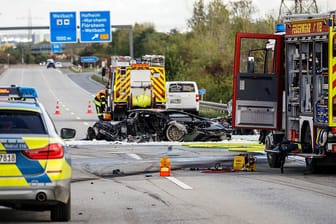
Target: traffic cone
{"type": "Point", "coordinates": [57, 112]}
{"type": "Point", "coordinates": [165, 167]}
{"type": "Point", "coordinates": [89, 111]}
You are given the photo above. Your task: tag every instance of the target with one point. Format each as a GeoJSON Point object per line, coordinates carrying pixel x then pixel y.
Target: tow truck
{"type": "Point", "coordinates": [285, 84]}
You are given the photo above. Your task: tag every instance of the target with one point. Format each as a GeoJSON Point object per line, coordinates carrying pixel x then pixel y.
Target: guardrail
{"type": "Point", "coordinates": [213, 106]}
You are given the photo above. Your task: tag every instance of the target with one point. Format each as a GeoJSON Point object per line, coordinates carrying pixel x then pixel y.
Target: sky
{"type": "Point", "coordinates": [164, 14]}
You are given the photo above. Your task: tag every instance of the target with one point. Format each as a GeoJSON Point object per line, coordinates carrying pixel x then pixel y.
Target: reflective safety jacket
{"type": "Point", "coordinates": [100, 101]}
{"type": "Point", "coordinates": [101, 97]}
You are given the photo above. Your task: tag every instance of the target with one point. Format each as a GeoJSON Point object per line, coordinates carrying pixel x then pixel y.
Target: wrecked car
{"type": "Point", "coordinates": [143, 125]}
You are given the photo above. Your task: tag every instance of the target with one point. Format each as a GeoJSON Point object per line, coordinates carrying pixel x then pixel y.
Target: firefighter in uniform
{"type": "Point", "coordinates": [100, 101]}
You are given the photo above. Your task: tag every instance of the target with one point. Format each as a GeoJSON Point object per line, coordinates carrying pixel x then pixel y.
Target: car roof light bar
{"type": "Point", "coordinates": [18, 92]}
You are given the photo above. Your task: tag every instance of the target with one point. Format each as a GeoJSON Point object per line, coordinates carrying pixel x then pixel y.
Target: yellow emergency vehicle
{"type": "Point", "coordinates": [35, 167]}
{"type": "Point", "coordinates": [137, 84]}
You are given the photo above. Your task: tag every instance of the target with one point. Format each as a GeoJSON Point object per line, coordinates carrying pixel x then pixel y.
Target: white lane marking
{"type": "Point", "coordinates": [134, 156]}
{"type": "Point", "coordinates": [86, 123]}
{"type": "Point", "coordinates": [179, 183]}
{"type": "Point", "coordinates": [78, 118]}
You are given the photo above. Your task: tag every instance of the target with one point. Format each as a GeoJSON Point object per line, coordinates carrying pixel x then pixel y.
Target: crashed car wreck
{"type": "Point", "coordinates": [142, 125]}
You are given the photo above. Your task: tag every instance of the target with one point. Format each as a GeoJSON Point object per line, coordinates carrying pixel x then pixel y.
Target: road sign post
{"type": "Point", "coordinates": [201, 92]}
{"type": "Point", "coordinates": [95, 26]}
{"type": "Point", "coordinates": [63, 28]}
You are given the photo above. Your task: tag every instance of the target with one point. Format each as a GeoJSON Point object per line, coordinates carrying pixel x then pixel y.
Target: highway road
{"type": "Point", "coordinates": [55, 87]}
{"type": "Point", "coordinates": [120, 183]}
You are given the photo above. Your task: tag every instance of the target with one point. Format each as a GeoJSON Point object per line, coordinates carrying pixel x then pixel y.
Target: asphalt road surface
{"type": "Point", "coordinates": [121, 183]}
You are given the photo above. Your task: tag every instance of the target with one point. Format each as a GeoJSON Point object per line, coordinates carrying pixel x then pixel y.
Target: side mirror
{"type": "Point", "coordinates": [250, 64]}
{"type": "Point", "coordinates": [67, 133]}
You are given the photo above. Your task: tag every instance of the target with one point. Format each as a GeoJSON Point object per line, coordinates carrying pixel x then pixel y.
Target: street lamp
{"type": "Point", "coordinates": [8, 55]}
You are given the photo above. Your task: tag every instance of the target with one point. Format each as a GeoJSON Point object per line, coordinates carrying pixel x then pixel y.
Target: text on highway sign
{"type": "Point", "coordinates": [63, 27]}
{"type": "Point", "coordinates": [95, 26]}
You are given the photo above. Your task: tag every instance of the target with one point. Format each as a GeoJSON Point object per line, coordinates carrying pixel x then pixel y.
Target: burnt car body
{"type": "Point", "coordinates": [143, 125]}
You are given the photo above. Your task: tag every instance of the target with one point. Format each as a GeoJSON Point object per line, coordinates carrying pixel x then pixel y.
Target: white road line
{"type": "Point", "coordinates": [134, 156]}
{"type": "Point", "coordinates": [179, 183]}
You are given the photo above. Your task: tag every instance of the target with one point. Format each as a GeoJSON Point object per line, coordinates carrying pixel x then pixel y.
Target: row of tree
{"type": "Point", "coordinates": [203, 54]}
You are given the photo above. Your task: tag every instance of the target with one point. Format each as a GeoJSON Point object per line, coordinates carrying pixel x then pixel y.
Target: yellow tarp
{"type": "Point", "coordinates": [241, 147]}
{"type": "Point", "coordinates": [141, 101]}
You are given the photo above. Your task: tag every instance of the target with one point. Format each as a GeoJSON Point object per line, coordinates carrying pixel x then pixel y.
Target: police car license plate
{"type": "Point", "coordinates": [8, 158]}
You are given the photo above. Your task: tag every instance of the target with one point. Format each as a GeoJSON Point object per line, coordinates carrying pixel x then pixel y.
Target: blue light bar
{"type": "Point", "coordinates": [280, 28]}
{"type": "Point", "coordinates": [27, 92]}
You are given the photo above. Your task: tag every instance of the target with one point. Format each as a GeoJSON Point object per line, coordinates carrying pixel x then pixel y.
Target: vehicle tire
{"type": "Point", "coordinates": [306, 139]}
{"type": "Point", "coordinates": [91, 133]}
{"type": "Point", "coordinates": [273, 160]}
{"type": "Point", "coordinates": [113, 133]}
{"type": "Point", "coordinates": [268, 142]}
{"type": "Point", "coordinates": [61, 212]}
{"type": "Point", "coordinates": [129, 102]}
{"type": "Point", "coordinates": [174, 134]}
{"type": "Point", "coordinates": [311, 165]}
{"type": "Point", "coordinates": [153, 103]}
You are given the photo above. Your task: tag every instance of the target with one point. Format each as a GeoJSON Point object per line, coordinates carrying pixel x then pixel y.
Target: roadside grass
{"type": "Point", "coordinates": [99, 79]}
{"type": "Point", "coordinates": [211, 113]}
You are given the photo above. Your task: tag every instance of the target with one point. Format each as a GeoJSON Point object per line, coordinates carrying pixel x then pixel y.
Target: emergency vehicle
{"type": "Point", "coordinates": [34, 160]}
{"type": "Point", "coordinates": [136, 84]}
{"type": "Point", "coordinates": [286, 83]}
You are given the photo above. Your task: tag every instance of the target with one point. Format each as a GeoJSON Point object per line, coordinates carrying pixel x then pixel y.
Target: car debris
{"type": "Point", "coordinates": [151, 125]}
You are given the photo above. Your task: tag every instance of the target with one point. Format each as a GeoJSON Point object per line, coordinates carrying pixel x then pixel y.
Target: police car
{"type": "Point", "coordinates": [35, 167]}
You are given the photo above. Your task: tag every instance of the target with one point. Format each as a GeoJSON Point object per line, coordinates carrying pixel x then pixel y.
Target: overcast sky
{"type": "Point", "coordinates": [164, 14]}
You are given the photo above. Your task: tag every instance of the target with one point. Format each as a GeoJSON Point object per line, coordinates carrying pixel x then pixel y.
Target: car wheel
{"type": "Point", "coordinates": [311, 165]}
{"type": "Point", "coordinates": [91, 133]}
{"type": "Point", "coordinates": [61, 212]}
{"type": "Point", "coordinates": [174, 134]}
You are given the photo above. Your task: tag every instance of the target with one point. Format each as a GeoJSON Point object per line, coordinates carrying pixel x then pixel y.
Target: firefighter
{"type": "Point", "coordinates": [100, 101]}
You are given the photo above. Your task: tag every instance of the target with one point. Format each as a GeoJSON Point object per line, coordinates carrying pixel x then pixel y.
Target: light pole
{"type": "Point", "coordinates": [8, 55]}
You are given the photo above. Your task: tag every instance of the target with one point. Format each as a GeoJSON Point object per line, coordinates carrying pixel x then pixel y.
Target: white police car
{"type": "Point", "coordinates": [35, 167]}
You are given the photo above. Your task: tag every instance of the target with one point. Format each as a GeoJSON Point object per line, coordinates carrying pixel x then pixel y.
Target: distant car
{"type": "Point", "coordinates": [182, 95]}
{"type": "Point", "coordinates": [51, 65]}
{"type": "Point", "coordinates": [58, 64]}
{"type": "Point", "coordinates": [160, 125]}
{"type": "Point", "coordinates": [34, 162]}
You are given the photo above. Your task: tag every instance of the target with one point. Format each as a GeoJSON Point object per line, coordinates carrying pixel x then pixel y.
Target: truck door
{"type": "Point", "coordinates": [257, 84]}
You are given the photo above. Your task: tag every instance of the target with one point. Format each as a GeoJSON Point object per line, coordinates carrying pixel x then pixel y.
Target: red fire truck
{"type": "Point", "coordinates": [285, 83]}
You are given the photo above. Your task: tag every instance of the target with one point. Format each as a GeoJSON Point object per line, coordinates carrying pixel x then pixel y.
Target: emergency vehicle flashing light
{"type": "Point", "coordinates": [19, 92]}
{"type": "Point", "coordinates": [140, 65]}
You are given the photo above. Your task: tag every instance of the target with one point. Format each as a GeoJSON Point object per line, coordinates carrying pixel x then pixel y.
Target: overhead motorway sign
{"type": "Point", "coordinates": [89, 59]}
{"type": "Point", "coordinates": [95, 26]}
{"type": "Point", "coordinates": [56, 48]}
{"type": "Point", "coordinates": [63, 28]}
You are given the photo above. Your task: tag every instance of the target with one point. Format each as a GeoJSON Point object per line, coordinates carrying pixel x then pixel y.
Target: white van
{"type": "Point", "coordinates": [183, 95]}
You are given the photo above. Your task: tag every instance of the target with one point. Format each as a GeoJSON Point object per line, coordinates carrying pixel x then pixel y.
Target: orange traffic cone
{"type": "Point", "coordinates": [89, 111]}
{"type": "Point", "coordinates": [57, 112]}
{"type": "Point", "coordinates": [165, 166]}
